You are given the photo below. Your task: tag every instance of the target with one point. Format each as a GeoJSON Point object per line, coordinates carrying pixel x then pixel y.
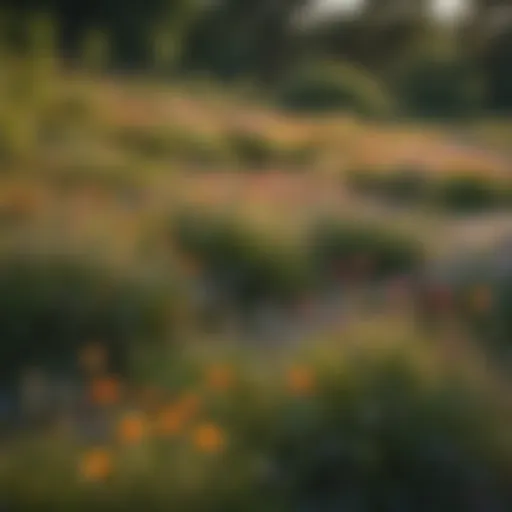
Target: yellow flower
{"type": "Point", "coordinates": [300, 380]}
{"type": "Point", "coordinates": [105, 391]}
{"type": "Point", "coordinates": [96, 465]}
{"type": "Point", "coordinates": [131, 428]}
{"type": "Point", "coordinates": [209, 438]}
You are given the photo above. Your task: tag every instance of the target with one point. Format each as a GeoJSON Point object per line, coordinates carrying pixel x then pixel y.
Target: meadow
{"type": "Point", "coordinates": [208, 304]}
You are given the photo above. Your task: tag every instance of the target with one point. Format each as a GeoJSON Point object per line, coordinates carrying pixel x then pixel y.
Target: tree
{"type": "Point", "coordinates": [246, 37]}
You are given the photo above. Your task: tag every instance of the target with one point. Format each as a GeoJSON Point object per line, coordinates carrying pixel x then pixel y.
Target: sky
{"type": "Point", "coordinates": [443, 8]}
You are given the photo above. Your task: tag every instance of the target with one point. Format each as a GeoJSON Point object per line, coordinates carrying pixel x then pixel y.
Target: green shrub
{"type": "Point", "coordinates": [173, 144]}
{"type": "Point", "coordinates": [247, 264]}
{"type": "Point", "coordinates": [253, 149]}
{"type": "Point", "coordinates": [327, 87]}
{"type": "Point", "coordinates": [51, 304]}
{"type": "Point", "coordinates": [338, 245]}
{"type": "Point", "coordinates": [400, 185]}
{"type": "Point", "coordinates": [440, 86]}
{"type": "Point", "coordinates": [466, 192]}
{"type": "Point", "coordinates": [406, 185]}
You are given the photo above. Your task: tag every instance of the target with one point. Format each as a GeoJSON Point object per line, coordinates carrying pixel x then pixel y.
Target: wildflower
{"type": "Point", "coordinates": [96, 465]}
{"type": "Point", "coordinates": [93, 358]}
{"type": "Point", "coordinates": [105, 391]}
{"type": "Point", "coordinates": [209, 438]}
{"type": "Point", "coordinates": [131, 429]}
{"type": "Point", "coordinates": [220, 378]}
{"type": "Point", "coordinates": [300, 381]}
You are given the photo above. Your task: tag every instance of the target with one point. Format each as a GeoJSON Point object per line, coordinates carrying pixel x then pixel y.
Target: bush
{"type": "Point", "coordinates": [368, 250]}
{"type": "Point", "coordinates": [404, 185]}
{"type": "Point", "coordinates": [173, 144]}
{"type": "Point", "coordinates": [466, 192]}
{"type": "Point", "coordinates": [248, 265]}
{"type": "Point", "coordinates": [440, 86]}
{"type": "Point", "coordinates": [50, 305]}
{"type": "Point", "coordinates": [255, 150]}
{"type": "Point", "coordinates": [327, 87]}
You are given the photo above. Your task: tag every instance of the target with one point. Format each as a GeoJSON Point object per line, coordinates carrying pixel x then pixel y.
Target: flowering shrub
{"type": "Point", "coordinates": [382, 425]}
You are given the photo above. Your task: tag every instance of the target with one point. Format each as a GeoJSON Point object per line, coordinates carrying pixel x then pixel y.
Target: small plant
{"type": "Point", "coordinates": [465, 192]}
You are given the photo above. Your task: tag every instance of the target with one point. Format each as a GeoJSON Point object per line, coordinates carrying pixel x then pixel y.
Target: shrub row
{"type": "Point", "coordinates": [242, 148]}
{"type": "Point", "coordinates": [253, 265]}
{"type": "Point", "coordinates": [463, 192]}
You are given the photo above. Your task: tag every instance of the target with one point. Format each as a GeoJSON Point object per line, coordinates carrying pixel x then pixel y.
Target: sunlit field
{"type": "Point", "coordinates": [209, 304]}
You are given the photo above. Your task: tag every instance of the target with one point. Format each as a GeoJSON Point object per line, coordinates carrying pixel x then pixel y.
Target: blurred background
{"type": "Point", "coordinates": [256, 255]}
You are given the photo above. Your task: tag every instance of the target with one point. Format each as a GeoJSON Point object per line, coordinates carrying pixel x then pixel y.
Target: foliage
{"type": "Point", "coordinates": [467, 192]}
{"type": "Point", "coordinates": [452, 191]}
{"type": "Point", "coordinates": [245, 263]}
{"type": "Point", "coordinates": [366, 250]}
{"type": "Point", "coordinates": [433, 85]}
{"type": "Point", "coordinates": [402, 185]}
{"type": "Point", "coordinates": [389, 424]}
{"type": "Point", "coordinates": [52, 304]}
{"type": "Point", "coordinates": [327, 87]}
{"type": "Point", "coordinates": [172, 143]}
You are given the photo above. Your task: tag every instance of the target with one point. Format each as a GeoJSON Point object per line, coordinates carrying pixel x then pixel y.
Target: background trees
{"type": "Point", "coordinates": [267, 40]}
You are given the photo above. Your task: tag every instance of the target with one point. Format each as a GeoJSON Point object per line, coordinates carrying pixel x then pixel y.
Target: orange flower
{"type": "Point", "coordinates": [93, 358]}
{"type": "Point", "coordinates": [131, 429]}
{"type": "Point", "coordinates": [220, 378]}
{"type": "Point", "coordinates": [481, 299]}
{"type": "Point", "coordinates": [170, 421]}
{"type": "Point", "coordinates": [300, 381]}
{"type": "Point", "coordinates": [96, 465]}
{"type": "Point", "coordinates": [105, 391]}
{"type": "Point", "coordinates": [209, 438]}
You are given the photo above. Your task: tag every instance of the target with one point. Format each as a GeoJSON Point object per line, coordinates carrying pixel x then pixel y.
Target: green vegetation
{"type": "Point", "coordinates": [326, 87]}
{"type": "Point", "coordinates": [381, 425]}
{"type": "Point", "coordinates": [463, 192]}
{"type": "Point", "coordinates": [53, 304]}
